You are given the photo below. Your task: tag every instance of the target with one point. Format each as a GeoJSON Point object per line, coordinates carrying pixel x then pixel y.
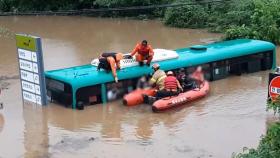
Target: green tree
{"type": "Point", "coordinates": [190, 16]}
{"type": "Point", "coordinates": [230, 13]}
{"type": "Point", "coordinates": [264, 25]}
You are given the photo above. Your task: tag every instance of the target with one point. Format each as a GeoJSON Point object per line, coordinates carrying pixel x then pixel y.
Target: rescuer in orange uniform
{"type": "Point", "coordinates": [143, 51]}
{"type": "Point", "coordinates": [110, 61]}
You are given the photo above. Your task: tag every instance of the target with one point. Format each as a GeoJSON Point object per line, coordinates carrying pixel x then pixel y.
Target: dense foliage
{"type": "Point", "coordinates": [127, 3]}
{"type": "Point", "coordinates": [265, 23]}
{"type": "Point", "coordinates": [43, 5]}
{"type": "Point", "coordinates": [218, 16]}
{"type": "Point", "coordinates": [53, 5]}
{"type": "Point", "coordinates": [74, 6]}
{"type": "Point", "coordinates": [274, 105]}
{"type": "Point", "coordinates": [190, 16]}
{"type": "Point", "coordinates": [256, 19]}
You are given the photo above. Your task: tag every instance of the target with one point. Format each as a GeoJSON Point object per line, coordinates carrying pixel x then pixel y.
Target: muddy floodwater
{"type": "Point", "coordinates": [231, 117]}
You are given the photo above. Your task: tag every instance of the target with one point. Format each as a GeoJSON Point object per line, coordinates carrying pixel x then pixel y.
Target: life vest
{"type": "Point", "coordinates": [170, 83]}
{"type": "Point", "coordinates": [103, 62]}
{"type": "Point", "coordinates": [143, 50]}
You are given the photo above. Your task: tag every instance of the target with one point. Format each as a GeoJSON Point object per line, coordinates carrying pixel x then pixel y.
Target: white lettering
{"type": "Point", "coordinates": [25, 65]}
{"type": "Point", "coordinates": [36, 79]}
{"type": "Point", "coordinates": [179, 100]}
{"type": "Point", "coordinates": [27, 76]}
{"type": "Point", "coordinates": [28, 86]}
{"type": "Point", "coordinates": [24, 54]}
{"type": "Point", "coordinates": [35, 68]}
{"type": "Point", "coordinates": [29, 96]}
{"type": "Point", "coordinates": [275, 90]}
{"type": "Point", "coordinates": [38, 100]}
{"type": "Point", "coordinates": [37, 89]}
{"type": "Point", "coordinates": [34, 57]}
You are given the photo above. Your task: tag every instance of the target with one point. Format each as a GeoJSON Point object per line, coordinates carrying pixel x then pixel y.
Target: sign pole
{"type": "Point", "coordinates": [31, 69]}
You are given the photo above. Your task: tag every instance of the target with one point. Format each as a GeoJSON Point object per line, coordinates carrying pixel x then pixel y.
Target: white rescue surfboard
{"type": "Point", "coordinates": [159, 55]}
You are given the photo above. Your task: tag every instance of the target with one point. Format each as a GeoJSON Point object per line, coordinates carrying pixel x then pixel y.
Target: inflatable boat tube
{"type": "Point", "coordinates": [182, 98]}
{"type": "Point", "coordinates": [136, 97]}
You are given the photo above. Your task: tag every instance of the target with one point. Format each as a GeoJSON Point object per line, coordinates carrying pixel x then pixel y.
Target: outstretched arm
{"type": "Point", "coordinates": [151, 51]}
{"type": "Point", "coordinates": [112, 63]}
{"type": "Point", "coordinates": [135, 50]}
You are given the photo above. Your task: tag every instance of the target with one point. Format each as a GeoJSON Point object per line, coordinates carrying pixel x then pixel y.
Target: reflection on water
{"type": "Point", "coordinates": [210, 127]}
{"type": "Point", "coordinates": [2, 121]}
{"type": "Point", "coordinates": [36, 138]}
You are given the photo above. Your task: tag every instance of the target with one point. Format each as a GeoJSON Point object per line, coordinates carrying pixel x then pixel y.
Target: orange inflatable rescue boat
{"type": "Point", "coordinates": [136, 97]}
{"type": "Point", "coordinates": [182, 98]}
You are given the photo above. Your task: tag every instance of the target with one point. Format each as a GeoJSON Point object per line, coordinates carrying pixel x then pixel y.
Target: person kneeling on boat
{"type": "Point", "coordinates": [158, 77]}
{"type": "Point", "coordinates": [110, 62]}
{"type": "Point", "coordinates": [143, 51]}
{"type": "Point", "coordinates": [171, 86]}
{"type": "Point", "coordinates": [157, 81]}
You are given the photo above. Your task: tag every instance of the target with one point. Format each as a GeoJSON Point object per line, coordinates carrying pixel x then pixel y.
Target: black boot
{"type": "Point", "coordinates": [141, 63]}
{"type": "Point", "coordinates": [151, 100]}
{"type": "Point", "coordinates": [145, 98]}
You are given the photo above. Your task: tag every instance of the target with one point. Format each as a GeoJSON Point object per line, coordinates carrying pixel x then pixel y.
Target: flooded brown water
{"type": "Point", "coordinates": [231, 117]}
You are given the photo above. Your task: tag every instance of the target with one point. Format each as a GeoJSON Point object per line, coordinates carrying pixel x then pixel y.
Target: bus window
{"type": "Point", "coordinates": [117, 90]}
{"type": "Point", "coordinates": [59, 91]}
{"type": "Point", "coordinates": [207, 71]}
{"type": "Point", "coordinates": [89, 95]}
{"type": "Point", "coordinates": [266, 61]}
{"type": "Point", "coordinates": [219, 70]}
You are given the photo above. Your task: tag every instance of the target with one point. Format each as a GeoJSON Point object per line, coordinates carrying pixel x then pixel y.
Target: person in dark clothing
{"type": "Point", "coordinates": [110, 62]}
{"type": "Point", "coordinates": [186, 82]}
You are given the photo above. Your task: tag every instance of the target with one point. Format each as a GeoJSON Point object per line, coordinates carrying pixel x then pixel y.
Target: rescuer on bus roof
{"type": "Point", "coordinates": [143, 51]}
{"type": "Point", "coordinates": [110, 61]}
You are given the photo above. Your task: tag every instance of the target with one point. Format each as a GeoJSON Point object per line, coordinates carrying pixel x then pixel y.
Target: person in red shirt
{"type": "Point", "coordinates": [198, 76]}
{"type": "Point", "coordinates": [143, 51]}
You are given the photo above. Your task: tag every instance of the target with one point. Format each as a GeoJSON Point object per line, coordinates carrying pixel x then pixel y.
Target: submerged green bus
{"type": "Point", "coordinates": [219, 60]}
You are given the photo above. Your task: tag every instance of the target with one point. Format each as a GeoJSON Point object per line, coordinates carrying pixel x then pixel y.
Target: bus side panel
{"type": "Point", "coordinates": [59, 91]}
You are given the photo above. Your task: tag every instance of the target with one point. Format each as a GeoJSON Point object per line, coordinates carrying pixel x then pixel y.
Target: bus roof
{"type": "Point", "coordinates": [87, 75]}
